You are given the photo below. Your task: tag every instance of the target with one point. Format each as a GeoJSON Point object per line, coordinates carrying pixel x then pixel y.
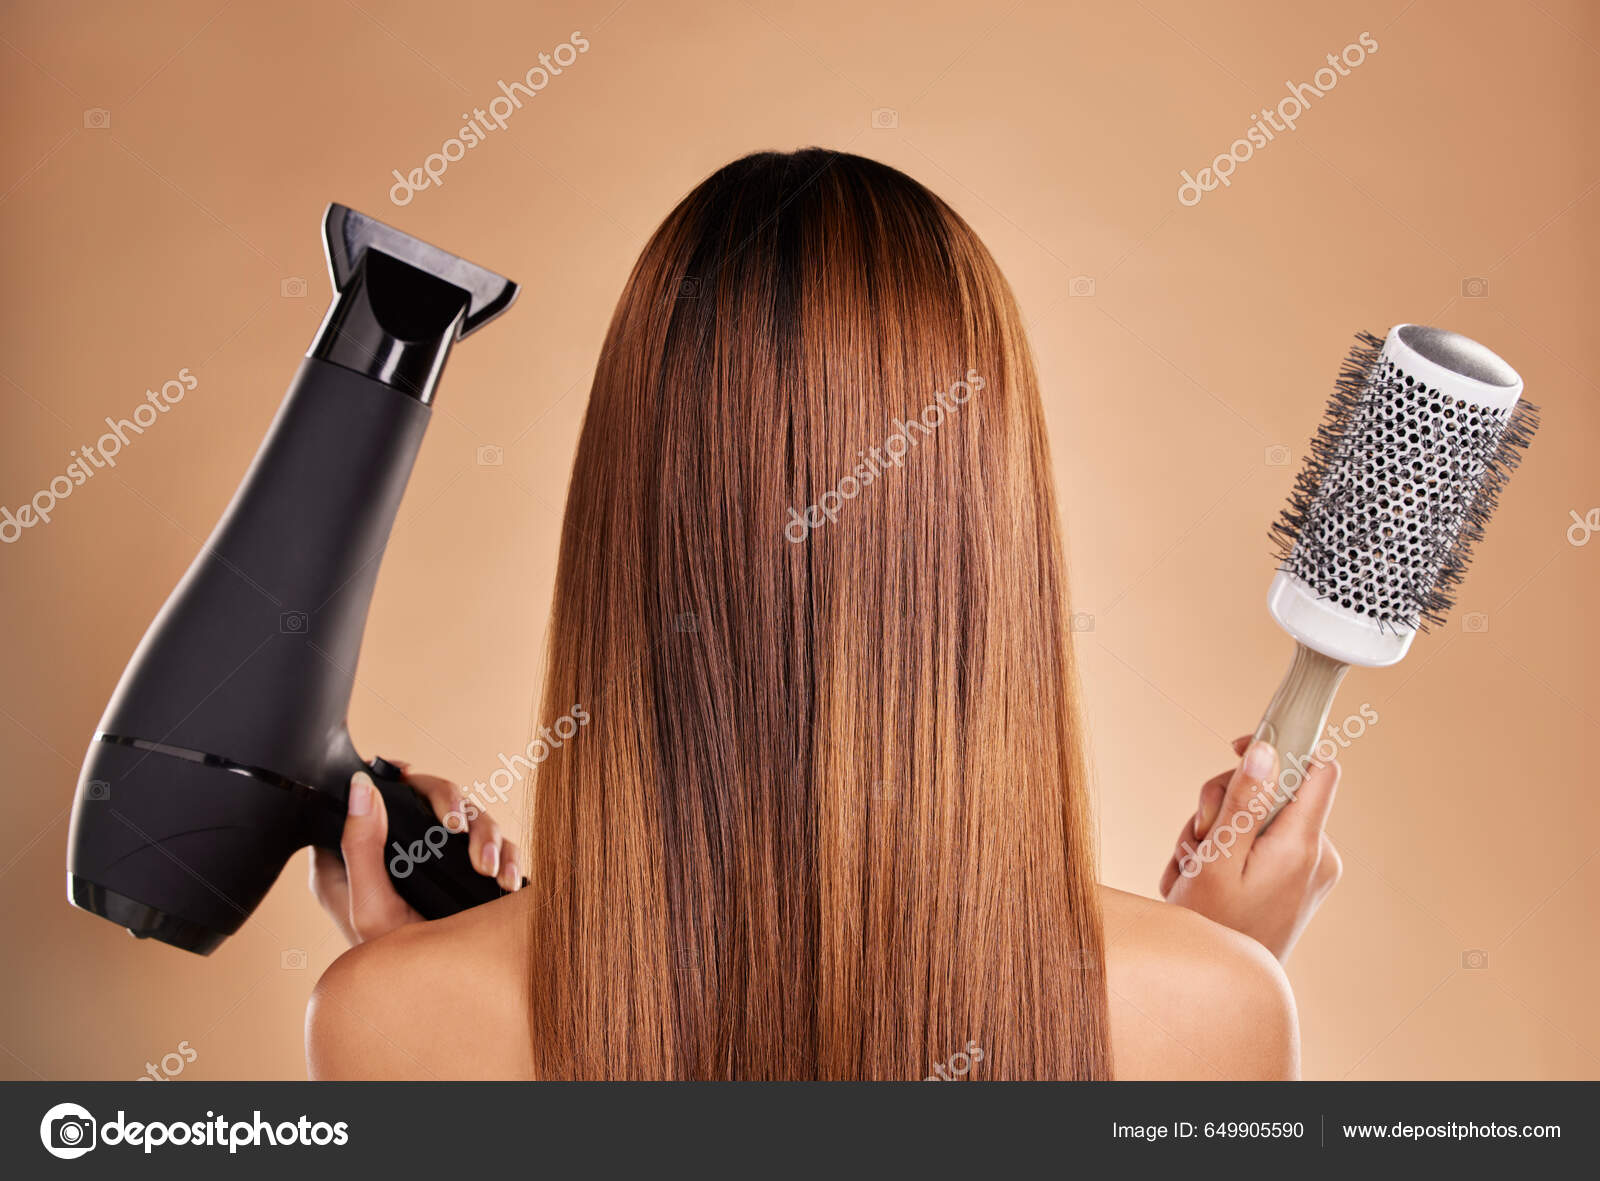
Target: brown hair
{"type": "Point", "coordinates": [827, 817]}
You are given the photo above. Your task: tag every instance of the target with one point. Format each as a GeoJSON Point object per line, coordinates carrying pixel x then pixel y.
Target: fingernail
{"type": "Point", "coordinates": [1259, 760]}
{"type": "Point", "coordinates": [360, 796]}
{"type": "Point", "coordinates": [511, 879]}
{"type": "Point", "coordinates": [491, 859]}
{"type": "Point", "coordinates": [1200, 820]}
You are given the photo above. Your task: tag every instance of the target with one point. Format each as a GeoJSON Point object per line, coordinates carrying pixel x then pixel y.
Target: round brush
{"type": "Point", "coordinates": [1423, 429]}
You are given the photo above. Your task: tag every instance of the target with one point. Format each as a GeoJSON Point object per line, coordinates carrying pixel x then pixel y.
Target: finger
{"type": "Point", "coordinates": [375, 907]}
{"type": "Point", "coordinates": [1191, 836]}
{"type": "Point", "coordinates": [1330, 867]}
{"type": "Point", "coordinates": [331, 888]}
{"type": "Point", "coordinates": [1194, 829]}
{"type": "Point", "coordinates": [510, 866]}
{"type": "Point", "coordinates": [1174, 870]}
{"type": "Point", "coordinates": [483, 834]}
{"type": "Point", "coordinates": [1300, 823]}
{"type": "Point", "coordinates": [1189, 859]}
{"type": "Point", "coordinates": [1211, 797]}
{"type": "Point", "coordinates": [443, 796]}
{"type": "Point", "coordinates": [1211, 794]}
{"type": "Point", "coordinates": [484, 842]}
{"type": "Point", "coordinates": [458, 812]}
{"type": "Point", "coordinates": [1245, 803]}
{"type": "Point", "coordinates": [1186, 837]}
{"type": "Point", "coordinates": [327, 879]}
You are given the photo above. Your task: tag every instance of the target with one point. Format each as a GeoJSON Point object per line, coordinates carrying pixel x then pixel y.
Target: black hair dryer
{"type": "Point", "coordinates": [225, 747]}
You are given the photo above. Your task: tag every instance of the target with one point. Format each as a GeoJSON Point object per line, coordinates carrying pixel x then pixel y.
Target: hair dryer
{"type": "Point", "coordinates": [225, 747]}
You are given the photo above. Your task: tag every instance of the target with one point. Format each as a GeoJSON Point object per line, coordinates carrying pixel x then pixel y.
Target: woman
{"type": "Point", "coordinates": [827, 816]}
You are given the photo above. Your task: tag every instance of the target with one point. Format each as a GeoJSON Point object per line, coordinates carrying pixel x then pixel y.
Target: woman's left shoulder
{"type": "Point", "coordinates": [1191, 999]}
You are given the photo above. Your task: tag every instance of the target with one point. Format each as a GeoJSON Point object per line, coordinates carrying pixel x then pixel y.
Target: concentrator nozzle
{"type": "Point", "coordinates": [400, 303]}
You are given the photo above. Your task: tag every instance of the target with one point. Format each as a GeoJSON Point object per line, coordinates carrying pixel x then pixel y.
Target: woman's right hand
{"type": "Point", "coordinates": [353, 885]}
{"type": "Point", "coordinates": [1264, 884]}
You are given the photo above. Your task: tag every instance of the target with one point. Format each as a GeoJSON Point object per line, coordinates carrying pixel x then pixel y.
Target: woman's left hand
{"type": "Point", "coordinates": [1265, 884]}
{"type": "Point", "coordinates": [353, 885]}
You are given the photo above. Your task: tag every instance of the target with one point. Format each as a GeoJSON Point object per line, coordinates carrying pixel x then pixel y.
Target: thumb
{"type": "Point", "coordinates": [1243, 807]}
{"type": "Point", "coordinates": [375, 907]}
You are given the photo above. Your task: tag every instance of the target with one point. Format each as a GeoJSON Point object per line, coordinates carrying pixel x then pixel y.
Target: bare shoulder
{"type": "Point", "coordinates": [447, 999]}
{"type": "Point", "coordinates": [439, 1000]}
{"type": "Point", "coordinates": [1191, 999]}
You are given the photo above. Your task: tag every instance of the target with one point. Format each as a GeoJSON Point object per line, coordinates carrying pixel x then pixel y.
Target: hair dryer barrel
{"type": "Point", "coordinates": [226, 737]}
{"type": "Point", "coordinates": [279, 595]}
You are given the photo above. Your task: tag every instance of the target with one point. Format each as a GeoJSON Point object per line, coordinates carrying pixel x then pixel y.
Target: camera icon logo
{"type": "Point", "coordinates": [1277, 455]}
{"type": "Point", "coordinates": [1082, 286]}
{"type": "Point", "coordinates": [1474, 287]}
{"type": "Point", "coordinates": [97, 789]}
{"type": "Point", "coordinates": [1474, 959]}
{"type": "Point", "coordinates": [67, 1131]}
{"type": "Point", "coordinates": [293, 623]}
{"type": "Point", "coordinates": [96, 118]}
{"type": "Point", "coordinates": [689, 287]}
{"type": "Point", "coordinates": [885, 118]}
{"type": "Point", "coordinates": [293, 287]}
{"type": "Point", "coordinates": [491, 456]}
{"type": "Point", "coordinates": [292, 960]}
{"type": "Point", "coordinates": [1082, 621]}
{"type": "Point", "coordinates": [686, 622]}
{"type": "Point", "coordinates": [1475, 621]}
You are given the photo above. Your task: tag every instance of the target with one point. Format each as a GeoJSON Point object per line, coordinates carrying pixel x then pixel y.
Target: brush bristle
{"type": "Point", "coordinates": [1397, 488]}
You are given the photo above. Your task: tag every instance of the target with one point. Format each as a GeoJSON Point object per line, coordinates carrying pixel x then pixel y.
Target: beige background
{"type": "Point", "coordinates": [1462, 150]}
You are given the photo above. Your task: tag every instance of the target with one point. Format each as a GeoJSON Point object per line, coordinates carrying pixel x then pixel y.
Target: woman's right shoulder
{"type": "Point", "coordinates": [1191, 999]}
{"type": "Point", "coordinates": [437, 1000]}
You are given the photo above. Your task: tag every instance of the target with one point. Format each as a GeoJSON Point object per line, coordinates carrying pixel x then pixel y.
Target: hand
{"type": "Point", "coordinates": [1264, 884]}
{"type": "Point", "coordinates": [355, 888]}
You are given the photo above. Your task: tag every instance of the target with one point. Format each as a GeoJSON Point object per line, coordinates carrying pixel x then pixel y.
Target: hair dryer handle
{"type": "Point", "coordinates": [430, 865]}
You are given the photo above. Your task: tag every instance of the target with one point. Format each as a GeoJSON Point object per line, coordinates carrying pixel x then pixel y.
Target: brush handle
{"type": "Point", "coordinates": [1299, 710]}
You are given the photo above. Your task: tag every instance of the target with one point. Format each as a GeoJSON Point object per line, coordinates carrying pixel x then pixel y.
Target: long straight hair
{"type": "Point", "coordinates": [826, 818]}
